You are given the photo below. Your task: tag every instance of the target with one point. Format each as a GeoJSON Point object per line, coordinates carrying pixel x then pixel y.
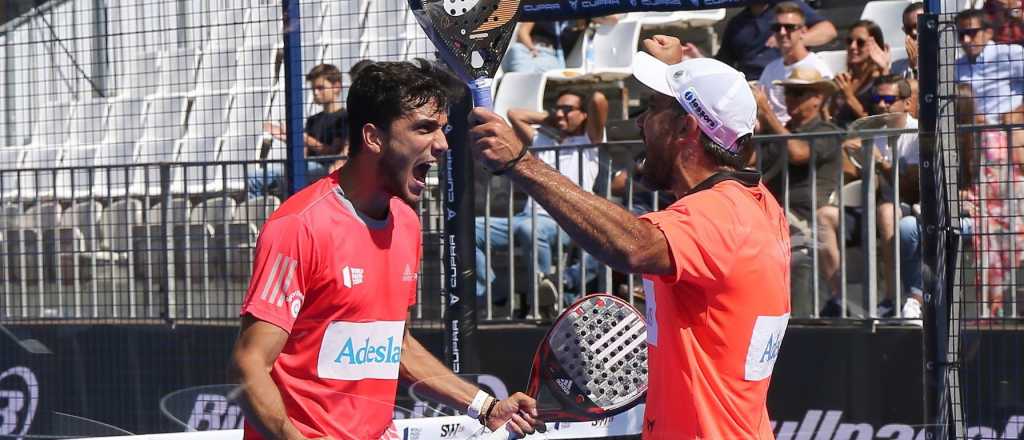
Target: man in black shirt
{"type": "Point", "coordinates": [326, 132]}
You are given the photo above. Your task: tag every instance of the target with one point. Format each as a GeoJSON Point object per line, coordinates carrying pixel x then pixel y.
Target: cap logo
{"type": "Point", "coordinates": [697, 107]}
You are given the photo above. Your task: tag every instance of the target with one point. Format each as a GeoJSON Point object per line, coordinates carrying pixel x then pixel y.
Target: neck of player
{"type": "Point", "coordinates": [361, 183]}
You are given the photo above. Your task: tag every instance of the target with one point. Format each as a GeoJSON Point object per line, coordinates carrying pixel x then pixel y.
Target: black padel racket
{"type": "Point", "coordinates": [592, 363]}
{"type": "Point", "coordinates": [471, 37]}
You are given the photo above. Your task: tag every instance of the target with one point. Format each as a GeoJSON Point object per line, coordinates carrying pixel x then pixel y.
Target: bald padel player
{"type": "Point", "coordinates": [324, 338]}
{"type": "Point", "coordinates": [715, 262]}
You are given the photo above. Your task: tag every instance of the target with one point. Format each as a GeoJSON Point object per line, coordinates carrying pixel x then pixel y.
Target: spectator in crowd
{"type": "Point", "coordinates": [542, 46]}
{"type": "Point", "coordinates": [891, 95]}
{"type": "Point", "coordinates": [325, 134]}
{"type": "Point", "coordinates": [996, 173]}
{"type": "Point", "coordinates": [749, 43]}
{"type": "Point", "coordinates": [786, 165]}
{"type": "Point", "coordinates": [913, 106]}
{"type": "Point", "coordinates": [1005, 17]}
{"type": "Point", "coordinates": [907, 68]}
{"type": "Point", "coordinates": [994, 71]}
{"type": "Point", "coordinates": [574, 120]}
{"type": "Point", "coordinates": [867, 58]}
{"type": "Point", "coordinates": [789, 32]}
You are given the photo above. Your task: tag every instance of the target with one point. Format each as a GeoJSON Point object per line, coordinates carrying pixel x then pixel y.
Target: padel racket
{"type": "Point", "coordinates": [592, 363]}
{"type": "Point", "coordinates": [471, 37]}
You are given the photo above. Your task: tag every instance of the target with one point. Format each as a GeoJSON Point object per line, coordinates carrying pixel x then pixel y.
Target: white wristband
{"type": "Point", "coordinates": [477, 405]}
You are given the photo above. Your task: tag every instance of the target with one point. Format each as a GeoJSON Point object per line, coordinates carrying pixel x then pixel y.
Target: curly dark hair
{"type": "Point", "coordinates": [385, 91]}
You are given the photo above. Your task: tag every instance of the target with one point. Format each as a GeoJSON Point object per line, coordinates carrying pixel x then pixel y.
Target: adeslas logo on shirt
{"type": "Point", "coordinates": [361, 350]}
{"type": "Point", "coordinates": [350, 353]}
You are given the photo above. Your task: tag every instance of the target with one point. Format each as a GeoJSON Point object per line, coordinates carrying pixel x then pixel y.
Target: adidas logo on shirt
{"type": "Point", "coordinates": [275, 289]}
{"type": "Point", "coordinates": [408, 275]}
{"type": "Point", "coordinates": [351, 276]}
{"type": "Point", "coordinates": [564, 384]}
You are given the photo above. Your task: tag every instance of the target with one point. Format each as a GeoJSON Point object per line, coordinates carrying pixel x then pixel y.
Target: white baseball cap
{"type": "Point", "coordinates": [717, 95]}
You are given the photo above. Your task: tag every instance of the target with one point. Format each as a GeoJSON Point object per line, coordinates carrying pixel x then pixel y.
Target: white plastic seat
{"type": "Point", "coordinates": [197, 172]}
{"type": "Point", "coordinates": [888, 14]}
{"type": "Point", "coordinates": [178, 70]}
{"type": "Point", "coordinates": [239, 148]}
{"type": "Point", "coordinates": [835, 59]}
{"type": "Point", "coordinates": [140, 73]}
{"type": "Point", "coordinates": [520, 90]}
{"type": "Point", "coordinates": [215, 210]}
{"type": "Point", "coordinates": [690, 19]}
{"type": "Point", "coordinates": [225, 24]}
{"type": "Point", "coordinates": [385, 19]}
{"type": "Point", "coordinates": [74, 180]}
{"type": "Point", "coordinates": [345, 20]}
{"type": "Point", "coordinates": [89, 122]}
{"type": "Point", "coordinates": [263, 25]}
{"type": "Point", "coordinates": [114, 167]}
{"type": "Point", "coordinates": [257, 210]}
{"type": "Point", "coordinates": [50, 123]}
{"type": "Point", "coordinates": [256, 68]}
{"type": "Point", "coordinates": [207, 117]}
{"type": "Point", "coordinates": [247, 111]}
{"type": "Point", "coordinates": [124, 120]}
{"type": "Point", "coordinates": [38, 175]}
{"type": "Point", "coordinates": [149, 154]}
{"type": "Point", "coordinates": [164, 117]}
{"type": "Point", "coordinates": [116, 225]}
{"type": "Point", "coordinates": [10, 163]}
{"type": "Point", "coordinates": [613, 47]}
{"type": "Point", "coordinates": [218, 67]}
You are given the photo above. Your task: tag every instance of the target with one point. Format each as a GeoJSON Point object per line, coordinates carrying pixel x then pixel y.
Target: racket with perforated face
{"type": "Point", "coordinates": [471, 37]}
{"type": "Point", "coordinates": [592, 363]}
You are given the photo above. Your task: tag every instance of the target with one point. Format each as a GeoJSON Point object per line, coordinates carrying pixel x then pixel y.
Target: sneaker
{"type": "Point", "coordinates": [912, 312]}
{"type": "Point", "coordinates": [886, 309]}
{"type": "Point", "coordinates": [832, 309]}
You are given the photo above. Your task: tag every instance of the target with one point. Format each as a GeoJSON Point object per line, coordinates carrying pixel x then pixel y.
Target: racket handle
{"type": "Point", "coordinates": [481, 90]}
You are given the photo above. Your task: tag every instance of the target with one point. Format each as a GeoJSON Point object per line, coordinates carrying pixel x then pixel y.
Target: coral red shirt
{"type": "Point", "coordinates": [715, 326]}
{"type": "Point", "coordinates": [340, 285]}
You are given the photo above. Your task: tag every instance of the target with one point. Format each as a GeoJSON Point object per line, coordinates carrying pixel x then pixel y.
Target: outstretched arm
{"type": "Point", "coordinates": [602, 228]}
{"type": "Point", "coordinates": [432, 378]}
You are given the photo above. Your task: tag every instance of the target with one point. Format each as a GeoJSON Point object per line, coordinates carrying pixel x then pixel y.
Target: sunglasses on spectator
{"type": "Point", "coordinates": [860, 41]}
{"type": "Point", "coordinates": [972, 32]}
{"type": "Point", "coordinates": [789, 27]}
{"type": "Point", "coordinates": [565, 109]}
{"type": "Point", "coordinates": [889, 99]}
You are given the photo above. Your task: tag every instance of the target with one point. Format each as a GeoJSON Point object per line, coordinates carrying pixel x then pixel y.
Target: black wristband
{"type": "Point", "coordinates": [510, 164]}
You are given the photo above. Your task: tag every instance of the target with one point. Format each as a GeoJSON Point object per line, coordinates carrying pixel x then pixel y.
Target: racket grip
{"type": "Point", "coordinates": [481, 90]}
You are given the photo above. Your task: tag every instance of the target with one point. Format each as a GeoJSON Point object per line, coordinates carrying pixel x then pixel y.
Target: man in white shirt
{"type": "Point", "coordinates": [574, 120]}
{"type": "Point", "coordinates": [994, 71]}
{"type": "Point", "coordinates": [790, 29]}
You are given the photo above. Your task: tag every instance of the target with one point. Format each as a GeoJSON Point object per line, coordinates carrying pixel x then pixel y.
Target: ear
{"type": "Point", "coordinates": [686, 128]}
{"type": "Point", "coordinates": [373, 138]}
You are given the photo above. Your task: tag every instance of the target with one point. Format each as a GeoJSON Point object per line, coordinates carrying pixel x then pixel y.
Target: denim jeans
{"type": "Point", "coordinates": [547, 235]}
{"type": "Point", "coordinates": [519, 59]}
{"type": "Point", "coordinates": [911, 257]}
{"type": "Point", "coordinates": [263, 180]}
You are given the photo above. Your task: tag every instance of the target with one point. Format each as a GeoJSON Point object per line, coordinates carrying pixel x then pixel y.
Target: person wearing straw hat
{"type": "Point", "coordinates": [805, 91]}
{"type": "Point", "coordinates": [715, 263]}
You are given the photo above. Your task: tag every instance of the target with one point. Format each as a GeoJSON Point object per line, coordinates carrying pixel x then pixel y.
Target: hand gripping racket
{"type": "Point", "coordinates": [471, 37]}
{"type": "Point", "coordinates": [592, 363]}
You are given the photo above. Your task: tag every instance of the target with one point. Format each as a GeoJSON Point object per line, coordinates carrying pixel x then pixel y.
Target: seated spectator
{"type": "Point", "coordinates": [891, 94]}
{"type": "Point", "coordinates": [789, 33]}
{"type": "Point", "coordinates": [994, 71]}
{"type": "Point", "coordinates": [325, 134]}
{"type": "Point", "coordinates": [786, 165]}
{"type": "Point", "coordinates": [537, 47]}
{"type": "Point", "coordinates": [907, 68]}
{"type": "Point", "coordinates": [574, 120]}
{"type": "Point", "coordinates": [749, 44]}
{"type": "Point", "coordinates": [867, 58]}
{"type": "Point", "coordinates": [1005, 17]}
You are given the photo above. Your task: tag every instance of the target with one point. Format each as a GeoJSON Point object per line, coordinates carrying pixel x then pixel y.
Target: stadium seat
{"type": "Point", "coordinates": [218, 67]}
{"type": "Point", "coordinates": [74, 179]}
{"type": "Point", "coordinates": [257, 210]}
{"type": "Point", "coordinates": [888, 14]}
{"type": "Point", "coordinates": [124, 120]}
{"type": "Point", "coordinates": [224, 26]}
{"type": "Point", "coordinates": [344, 20]}
{"type": "Point", "coordinates": [520, 90]}
{"type": "Point", "coordinates": [835, 59]}
{"type": "Point", "coordinates": [207, 117]}
{"type": "Point", "coordinates": [150, 157]}
{"type": "Point", "coordinates": [38, 174]}
{"type": "Point", "coordinates": [88, 122]}
{"type": "Point", "coordinates": [239, 148]}
{"type": "Point", "coordinates": [214, 210]}
{"type": "Point", "coordinates": [77, 235]}
{"type": "Point", "coordinates": [689, 19]}
{"type": "Point", "coordinates": [256, 68]}
{"type": "Point", "coordinates": [116, 226]}
{"type": "Point", "coordinates": [178, 70]}
{"type": "Point", "coordinates": [164, 117]}
{"type": "Point", "coordinates": [247, 111]}
{"type": "Point", "coordinates": [614, 47]}
{"type": "Point", "coordinates": [139, 73]}
{"type": "Point", "coordinates": [114, 166]}
{"type": "Point", "coordinates": [197, 172]}
{"type": "Point", "coordinates": [10, 164]}
{"type": "Point", "coordinates": [31, 245]}
{"type": "Point", "coordinates": [263, 25]}
{"type": "Point", "coordinates": [50, 123]}
{"type": "Point", "coordinates": [152, 241]}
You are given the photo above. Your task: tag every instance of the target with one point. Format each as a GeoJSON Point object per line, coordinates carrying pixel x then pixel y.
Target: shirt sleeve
{"type": "Point", "coordinates": [696, 245]}
{"type": "Point", "coordinates": [281, 273]}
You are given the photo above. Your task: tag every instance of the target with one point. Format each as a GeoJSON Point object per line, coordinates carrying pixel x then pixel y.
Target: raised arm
{"type": "Point", "coordinates": [602, 228]}
{"type": "Point", "coordinates": [259, 343]}
{"type": "Point", "coordinates": [597, 119]}
{"type": "Point", "coordinates": [523, 120]}
{"type": "Point", "coordinates": [432, 378]}
{"type": "Point", "coordinates": [821, 33]}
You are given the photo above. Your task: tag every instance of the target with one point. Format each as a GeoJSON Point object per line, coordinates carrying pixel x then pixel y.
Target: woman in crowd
{"type": "Point", "coordinates": [867, 58]}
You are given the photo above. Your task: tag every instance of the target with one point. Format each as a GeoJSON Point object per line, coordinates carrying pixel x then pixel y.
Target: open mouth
{"type": "Point", "coordinates": [419, 173]}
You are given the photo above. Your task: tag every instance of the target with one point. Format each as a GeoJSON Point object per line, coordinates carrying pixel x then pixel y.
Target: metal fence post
{"type": "Point", "coordinates": [295, 162]}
